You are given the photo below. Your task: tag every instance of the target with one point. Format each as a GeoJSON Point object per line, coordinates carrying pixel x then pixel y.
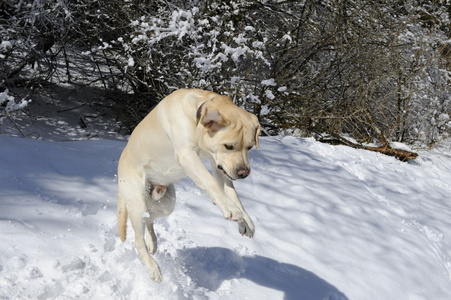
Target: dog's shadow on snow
{"type": "Point", "coordinates": [209, 267]}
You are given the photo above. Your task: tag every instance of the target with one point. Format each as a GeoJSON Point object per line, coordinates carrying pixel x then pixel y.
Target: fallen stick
{"type": "Point", "coordinates": [400, 154]}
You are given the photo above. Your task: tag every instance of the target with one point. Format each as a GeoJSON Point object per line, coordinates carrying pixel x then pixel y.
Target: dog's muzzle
{"type": "Point", "coordinates": [241, 173]}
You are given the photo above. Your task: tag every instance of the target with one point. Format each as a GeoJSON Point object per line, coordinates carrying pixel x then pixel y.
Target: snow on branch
{"type": "Point", "coordinates": [8, 104]}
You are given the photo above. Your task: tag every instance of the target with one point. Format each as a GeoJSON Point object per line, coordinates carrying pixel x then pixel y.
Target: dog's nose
{"type": "Point", "coordinates": [243, 172]}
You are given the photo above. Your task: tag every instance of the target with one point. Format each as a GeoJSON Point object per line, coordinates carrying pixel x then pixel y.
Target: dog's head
{"type": "Point", "coordinates": [227, 133]}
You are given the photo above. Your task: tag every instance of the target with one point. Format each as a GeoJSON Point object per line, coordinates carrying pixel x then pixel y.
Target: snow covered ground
{"type": "Point", "coordinates": [331, 223]}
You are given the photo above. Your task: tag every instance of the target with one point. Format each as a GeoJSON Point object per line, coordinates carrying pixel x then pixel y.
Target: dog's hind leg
{"type": "Point", "coordinates": [160, 202]}
{"type": "Point", "coordinates": [139, 218]}
{"type": "Point", "coordinates": [152, 267]}
{"type": "Point", "coordinates": [151, 238]}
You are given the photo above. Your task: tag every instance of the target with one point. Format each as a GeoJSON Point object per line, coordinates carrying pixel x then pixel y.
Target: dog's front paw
{"type": "Point", "coordinates": [246, 228]}
{"type": "Point", "coordinates": [232, 212]}
{"type": "Point", "coordinates": [155, 275]}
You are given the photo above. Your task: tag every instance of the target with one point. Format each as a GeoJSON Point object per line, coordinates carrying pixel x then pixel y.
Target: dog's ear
{"type": "Point", "coordinates": [212, 119]}
{"type": "Point", "coordinates": [257, 134]}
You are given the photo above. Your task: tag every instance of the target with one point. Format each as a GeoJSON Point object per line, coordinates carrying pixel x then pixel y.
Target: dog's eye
{"type": "Point", "coordinates": [229, 147]}
{"type": "Point", "coordinates": [250, 147]}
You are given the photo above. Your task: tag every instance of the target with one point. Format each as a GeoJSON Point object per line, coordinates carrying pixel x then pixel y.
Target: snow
{"type": "Point", "coordinates": [270, 95]}
{"type": "Point", "coordinates": [332, 222]}
{"type": "Point", "coordinates": [5, 46]}
{"type": "Point", "coordinates": [11, 105]}
{"type": "Point", "coordinates": [269, 82]}
{"type": "Point", "coordinates": [131, 62]}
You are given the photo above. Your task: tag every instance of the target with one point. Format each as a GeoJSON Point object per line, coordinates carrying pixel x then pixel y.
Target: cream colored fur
{"type": "Point", "coordinates": [186, 128]}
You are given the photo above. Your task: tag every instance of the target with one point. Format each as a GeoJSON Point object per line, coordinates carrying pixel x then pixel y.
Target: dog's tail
{"type": "Point", "coordinates": [122, 215]}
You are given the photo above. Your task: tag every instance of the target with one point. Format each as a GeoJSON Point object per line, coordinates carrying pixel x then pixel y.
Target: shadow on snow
{"type": "Point", "coordinates": [208, 267]}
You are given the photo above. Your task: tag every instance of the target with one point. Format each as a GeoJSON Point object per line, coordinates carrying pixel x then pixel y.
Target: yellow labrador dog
{"type": "Point", "coordinates": [184, 129]}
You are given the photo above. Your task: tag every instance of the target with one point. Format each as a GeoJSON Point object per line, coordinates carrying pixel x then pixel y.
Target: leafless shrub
{"type": "Point", "coordinates": [374, 70]}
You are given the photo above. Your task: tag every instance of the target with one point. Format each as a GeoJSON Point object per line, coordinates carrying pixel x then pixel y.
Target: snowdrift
{"type": "Point", "coordinates": [331, 223]}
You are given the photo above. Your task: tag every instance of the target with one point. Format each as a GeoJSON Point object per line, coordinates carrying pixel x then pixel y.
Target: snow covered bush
{"type": "Point", "coordinates": [29, 30]}
{"type": "Point", "coordinates": [9, 106]}
{"type": "Point", "coordinates": [373, 70]}
{"type": "Point", "coordinates": [369, 70]}
{"type": "Point", "coordinates": [211, 48]}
